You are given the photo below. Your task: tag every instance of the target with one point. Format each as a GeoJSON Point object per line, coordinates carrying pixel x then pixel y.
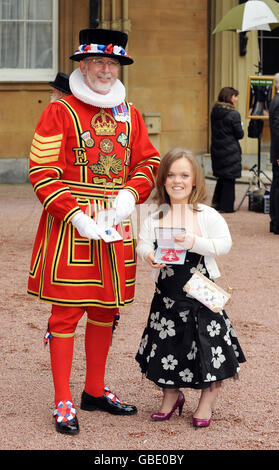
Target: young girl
{"type": "Point", "coordinates": [184, 344]}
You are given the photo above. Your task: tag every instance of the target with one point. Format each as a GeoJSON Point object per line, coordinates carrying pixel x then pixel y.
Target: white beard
{"type": "Point", "coordinates": [80, 90]}
{"type": "Point", "coordinates": [98, 86]}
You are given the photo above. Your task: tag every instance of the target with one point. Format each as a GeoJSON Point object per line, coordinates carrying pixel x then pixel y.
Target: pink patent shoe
{"type": "Point", "coordinates": [201, 423]}
{"type": "Point", "coordinates": [164, 416]}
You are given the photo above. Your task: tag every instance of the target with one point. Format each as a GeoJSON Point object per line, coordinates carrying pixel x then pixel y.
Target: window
{"type": "Point", "coordinates": [269, 50]}
{"type": "Point", "coordinates": [28, 40]}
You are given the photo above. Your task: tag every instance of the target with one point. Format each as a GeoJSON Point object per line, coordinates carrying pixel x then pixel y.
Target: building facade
{"type": "Point", "coordinates": [178, 70]}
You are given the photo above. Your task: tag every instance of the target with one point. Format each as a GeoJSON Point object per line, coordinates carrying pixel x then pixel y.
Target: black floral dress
{"type": "Point", "coordinates": [184, 344]}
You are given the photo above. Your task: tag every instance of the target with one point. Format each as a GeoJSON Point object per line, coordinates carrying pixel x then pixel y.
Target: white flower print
{"type": "Point", "coordinates": [214, 328]}
{"type": "Point", "coordinates": [186, 375]}
{"type": "Point", "coordinates": [193, 352]}
{"type": "Point", "coordinates": [168, 382]}
{"type": "Point", "coordinates": [184, 315]}
{"type": "Point", "coordinates": [168, 302]}
{"type": "Point", "coordinates": [200, 268]}
{"type": "Point", "coordinates": [228, 323]}
{"type": "Point", "coordinates": [230, 328]}
{"type": "Point", "coordinates": [210, 378]}
{"type": "Point", "coordinates": [167, 271]}
{"type": "Point", "coordinates": [153, 350]}
{"type": "Point", "coordinates": [169, 362]}
{"type": "Point", "coordinates": [157, 290]}
{"type": "Point", "coordinates": [232, 332]}
{"type": "Point", "coordinates": [235, 350]}
{"type": "Point", "coordinates": [166, 328]}
{"type": "Point", "coordinates": [227, 338]}
{"type": "Point", "coordinates": [217, 357]}
{"type": "Point", "coordinates": [143, 344]}
{"type": "Point", "coordinates": [154, 320]}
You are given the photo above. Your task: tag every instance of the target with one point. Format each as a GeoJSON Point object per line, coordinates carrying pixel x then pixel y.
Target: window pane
{"type": "Point", "coordinates": [11, 36]}
{"type": "Point", "coordinates": [12, 9]}
{"type": "Point", "coordinates": [39, 46]}
{"type": "Point", "coordinates": [39, 10]}
{"type": "Point", "coordinates": [28, 39]}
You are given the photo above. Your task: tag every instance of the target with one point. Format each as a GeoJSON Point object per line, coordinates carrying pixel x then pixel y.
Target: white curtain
{"type": "Point", "coordinates": [26, 31]}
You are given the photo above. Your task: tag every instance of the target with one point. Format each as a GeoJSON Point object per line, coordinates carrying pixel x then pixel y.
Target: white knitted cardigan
{"type": "Point", "coordinates": [213, 227]}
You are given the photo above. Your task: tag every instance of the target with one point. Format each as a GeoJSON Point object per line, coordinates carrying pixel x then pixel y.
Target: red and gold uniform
{"type": "Point", "coordinates": [81, 156]}
{"type": "Point", "coordinates": [86, 148]}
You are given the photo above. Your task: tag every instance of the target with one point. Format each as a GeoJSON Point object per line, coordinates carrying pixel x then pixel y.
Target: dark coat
{"type": "Point", "coordinates": [274, 128]}
{"type": "Point", "coordinates": [225, 150]}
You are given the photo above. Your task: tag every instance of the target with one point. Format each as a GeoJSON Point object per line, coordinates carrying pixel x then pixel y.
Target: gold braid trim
{"type": "Point", "coordinates": [99, 323]}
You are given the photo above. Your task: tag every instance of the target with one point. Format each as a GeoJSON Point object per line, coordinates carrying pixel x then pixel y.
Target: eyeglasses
{"type": "Point", "coordinates": [101, 63]}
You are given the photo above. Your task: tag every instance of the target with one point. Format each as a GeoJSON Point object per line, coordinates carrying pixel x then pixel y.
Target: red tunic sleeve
{"type": "Point", "coordinates": [48, 162]}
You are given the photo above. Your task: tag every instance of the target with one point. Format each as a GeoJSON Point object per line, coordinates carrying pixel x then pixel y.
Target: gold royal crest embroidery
{"type": "Point", "coordinates": [103, 123]}
{"type": "Point", "coordinates": [106, 165]}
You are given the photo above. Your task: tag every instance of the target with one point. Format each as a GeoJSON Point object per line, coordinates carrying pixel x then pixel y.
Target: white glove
{"type": "Point", "coordinates": [124, 205]}
{"type": "Point", "coordinates": [86, 226]}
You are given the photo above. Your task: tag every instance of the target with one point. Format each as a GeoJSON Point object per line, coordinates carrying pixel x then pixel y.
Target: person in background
{"type": "Point", "coordinates": [91, 157]}
{"type": "Point", "coordinates": [226, 131]}
{"type": "Point", "coordinates": [185, 344]}
{"type": "Point", "coordinates": [274, 158]}
{"type": "Point", "coordinates": [60, 87]}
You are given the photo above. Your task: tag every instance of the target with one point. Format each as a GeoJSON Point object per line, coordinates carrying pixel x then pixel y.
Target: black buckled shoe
{"type": "Point", "coordinates": [66, 420]}
{"type": "Point", "coordinates": [108, 402]}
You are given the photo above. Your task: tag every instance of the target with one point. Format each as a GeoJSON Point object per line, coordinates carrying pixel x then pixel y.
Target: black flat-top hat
{"type": "Point", "coordinates": [102, 43]}
{"type": "Point", "coordinates": [61, 83]}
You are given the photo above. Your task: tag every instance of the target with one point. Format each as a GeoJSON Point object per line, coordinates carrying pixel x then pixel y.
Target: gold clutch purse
{"type": "Point", "coordinates": [208, 292]}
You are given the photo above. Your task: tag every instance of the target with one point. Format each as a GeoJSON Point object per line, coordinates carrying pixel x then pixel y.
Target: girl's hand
{"type": "Point", "coordinates": [151, 261]}
{"type": "Point", "coordinates": [185, 240]}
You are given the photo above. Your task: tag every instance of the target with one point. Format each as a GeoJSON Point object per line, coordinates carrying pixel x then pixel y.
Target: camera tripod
{"type": "Point", "coordinates": [255, 182]}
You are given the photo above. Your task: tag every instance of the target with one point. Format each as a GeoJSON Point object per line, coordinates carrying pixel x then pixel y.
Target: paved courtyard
{"type": "Point", "coordinates": [247, 411]}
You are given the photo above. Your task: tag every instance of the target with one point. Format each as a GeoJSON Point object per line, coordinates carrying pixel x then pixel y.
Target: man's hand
{"type": "Point", "coordinates": [86, 226]}
{"type": "Point", "coordinates": [124, 205]}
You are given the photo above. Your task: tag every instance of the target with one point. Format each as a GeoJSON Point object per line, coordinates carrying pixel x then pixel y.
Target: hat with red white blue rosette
{"type": "Point", "coordinates": [102, 43]}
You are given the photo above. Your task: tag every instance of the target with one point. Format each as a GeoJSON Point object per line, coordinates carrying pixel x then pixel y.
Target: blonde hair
{"type": "Point", "coordinates": [198, 194]}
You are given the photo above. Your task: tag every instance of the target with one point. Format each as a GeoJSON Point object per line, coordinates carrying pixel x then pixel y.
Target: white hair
{"type": "Point", "coordinates": [276, 78]}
